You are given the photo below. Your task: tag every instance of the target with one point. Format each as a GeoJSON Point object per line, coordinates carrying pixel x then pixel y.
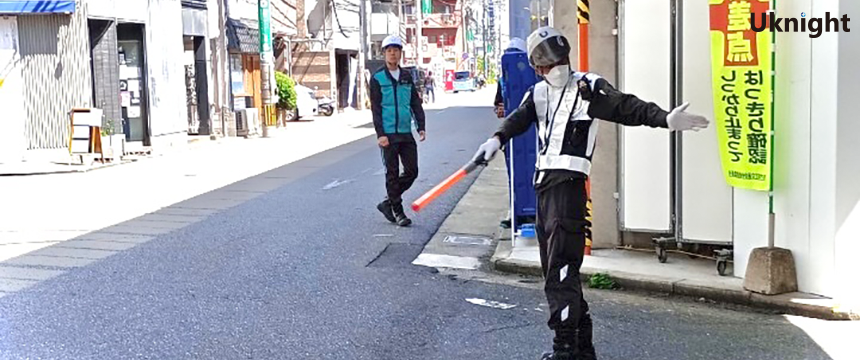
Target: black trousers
{"type": "Point", "coordinates": [396, 183]}
{"type": "Point", "coordinates": [560, 229]}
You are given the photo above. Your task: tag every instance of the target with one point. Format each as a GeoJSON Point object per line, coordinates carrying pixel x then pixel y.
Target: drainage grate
{"type": "Point", "coordinates": [468, 240]}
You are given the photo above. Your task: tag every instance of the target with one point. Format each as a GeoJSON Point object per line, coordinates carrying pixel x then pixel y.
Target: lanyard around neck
{"type": "Point", "coordinates": [551, 120]}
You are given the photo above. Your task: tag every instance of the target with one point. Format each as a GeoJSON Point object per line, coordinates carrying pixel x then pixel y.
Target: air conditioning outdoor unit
{"type": "Point", "coordinates": [248, 122]}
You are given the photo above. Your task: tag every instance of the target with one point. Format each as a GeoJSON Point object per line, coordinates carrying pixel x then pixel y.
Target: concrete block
{"type": "Point", "coordinates": [124, 238]}
{"type": "Point", "coordinates": [771, 271]}
{"type": "Point", "coordinates": [21, 273]}
{"type": "Point", "coordinates": [73, 253]}
{"type": "Point", "coordinates": [49, 261]}
{"type": "Point", "coordinates": [97, 245]}
{"type": "Point", "coordinates": [9, 285]}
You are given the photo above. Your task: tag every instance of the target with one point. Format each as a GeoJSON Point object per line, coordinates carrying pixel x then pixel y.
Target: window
{"type": "Point", "coordinates": [433, 39]}
{"type": "Point", "coordinates": [237, 76]}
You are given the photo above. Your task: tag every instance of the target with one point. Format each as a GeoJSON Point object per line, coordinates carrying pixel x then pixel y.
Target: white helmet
{"type": "Point", "coordinates": [516, 44]}
{"type": "Point", "coordinates": [547, 47]}
{"type": "Point", "coordinates": [392, 40]}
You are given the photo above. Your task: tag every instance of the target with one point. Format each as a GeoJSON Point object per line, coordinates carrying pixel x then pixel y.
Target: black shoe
{"type": "Point", "coordinates": [506, 224]}
{"type": "Point", "coordinates": [385, 208]}
{"type": "Point", "coordinates": [402, 220]}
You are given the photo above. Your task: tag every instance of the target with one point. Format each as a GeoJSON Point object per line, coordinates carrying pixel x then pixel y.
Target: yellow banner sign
{"type": "Point", "coordinates": [742, 66]}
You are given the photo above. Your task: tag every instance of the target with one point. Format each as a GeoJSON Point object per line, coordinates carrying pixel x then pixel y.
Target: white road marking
{"type": "Point", "coordinates": [447, 261]}
{"type": "Point", "coordinates": [491, 304]}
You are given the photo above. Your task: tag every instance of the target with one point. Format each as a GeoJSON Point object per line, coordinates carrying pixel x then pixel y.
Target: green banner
{"type": "Point", "coordinates": [265, 21]}
{"type": "Point", "coordinates": [427, 6]}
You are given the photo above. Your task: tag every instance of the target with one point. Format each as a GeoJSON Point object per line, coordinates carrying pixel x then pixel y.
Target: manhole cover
{"type": "Point", "coordinates": [467, 240]}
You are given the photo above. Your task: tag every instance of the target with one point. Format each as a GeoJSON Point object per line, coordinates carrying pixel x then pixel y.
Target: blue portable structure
{"type": "Point", "coordinates": [517, 77]}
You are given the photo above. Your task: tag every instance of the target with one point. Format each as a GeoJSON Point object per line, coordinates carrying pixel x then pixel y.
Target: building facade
{"type": "Point", "coordinates": [103, 55]}
{"type": "Point", "coordinates": [45, 74]}
{"type": "Point", "coordinates": [326, 52]}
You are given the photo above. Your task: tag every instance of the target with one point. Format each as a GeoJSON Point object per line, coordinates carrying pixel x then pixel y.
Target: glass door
{"type": "Point", "coordinates": [131, 88]}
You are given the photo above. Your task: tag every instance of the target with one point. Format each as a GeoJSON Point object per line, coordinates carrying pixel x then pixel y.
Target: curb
{"type": "Point", "coordinates": [628, 281]}
{"type": "Point", "coordinates": [72, 171]}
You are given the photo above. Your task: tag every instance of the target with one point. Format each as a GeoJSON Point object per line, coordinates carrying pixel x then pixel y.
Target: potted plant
{"type": "Point", "coordinates": [112, 144]}
{"type": "Point", "coordinates": [286, 97]}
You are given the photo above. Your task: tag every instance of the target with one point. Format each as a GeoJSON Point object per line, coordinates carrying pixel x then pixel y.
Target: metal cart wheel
{"type": "Point", "coordinates": [661, 254]}
{"type": "Point", "coordinates": [721, 267]}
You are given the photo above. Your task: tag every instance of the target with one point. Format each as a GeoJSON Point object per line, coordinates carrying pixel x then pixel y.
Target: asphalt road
{"type": "Point", "coordinates": [310, 270]}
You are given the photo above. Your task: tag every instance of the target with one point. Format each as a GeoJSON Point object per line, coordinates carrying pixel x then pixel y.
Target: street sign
{"type": "Point", "coordinates": [265, 21]}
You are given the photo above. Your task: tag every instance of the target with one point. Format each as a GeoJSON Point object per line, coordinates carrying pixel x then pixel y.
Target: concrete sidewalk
{"type": "Point", "coordinates": [41, 211]}
{"type": "Point", "coordinates": [52, 162]}
{"type": "Point", "coordinates": [468, 236]}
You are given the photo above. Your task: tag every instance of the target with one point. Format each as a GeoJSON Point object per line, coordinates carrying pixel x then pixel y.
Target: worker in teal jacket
{"type": "Point", "coordinates": [395, 101]}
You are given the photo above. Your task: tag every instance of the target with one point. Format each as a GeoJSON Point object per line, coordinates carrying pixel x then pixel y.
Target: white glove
{"type": "Point", "coordinates": [681, 121]}
{"type": "Point", "coordinates": [487, 150]}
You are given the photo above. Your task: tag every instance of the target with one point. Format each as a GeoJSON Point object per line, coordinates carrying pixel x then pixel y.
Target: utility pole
{"type": "Point", "coordinates": [266, 63]}
{"type": "Point", "coordinates": [223, 87]}
{"type": "Point", "coordinates": [484, 42]}
{"type": "Point", "coordinates": [362, 55]}
{"type": "Point", "coordinates": [419, 26]}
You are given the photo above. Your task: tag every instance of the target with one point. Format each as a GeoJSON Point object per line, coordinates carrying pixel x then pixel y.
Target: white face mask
{"type": "Point", "coordinates": [558, 75]}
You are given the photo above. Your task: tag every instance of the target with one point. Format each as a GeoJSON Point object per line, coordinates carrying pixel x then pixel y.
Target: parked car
{"type": "Point", "coordinates": [463, 81]}
{"type": "Point", "coordinates": [418, 76]}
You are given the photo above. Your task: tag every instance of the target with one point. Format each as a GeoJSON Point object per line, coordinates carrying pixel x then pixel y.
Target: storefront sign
{"type": "Point", "coordinates": [742, 69]}
{"type": "Point", "coordinates": [37, 6]}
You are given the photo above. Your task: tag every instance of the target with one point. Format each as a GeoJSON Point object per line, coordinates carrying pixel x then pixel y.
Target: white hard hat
{"type": "Point", "coordinates": [516, 44]}
{"type": "Point", "coordinates": [392, 40]}
{"type": "Point", "coordinates": [547, 47]}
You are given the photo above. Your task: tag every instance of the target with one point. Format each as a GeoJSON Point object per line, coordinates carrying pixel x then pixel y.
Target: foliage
{"type": "Point", "coordinates": [107, 128]}
{"type": "Point", "coordinates": [602, 281]}
{"type": "Point", "coordinates": [286, 91]}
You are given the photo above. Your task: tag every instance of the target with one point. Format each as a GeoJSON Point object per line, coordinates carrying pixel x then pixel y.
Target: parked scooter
{"type": "Point", "coordinates": [325, 106]}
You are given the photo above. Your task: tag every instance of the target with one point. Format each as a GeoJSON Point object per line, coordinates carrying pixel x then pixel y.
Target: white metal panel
{"type": "Point", "coordinates": [645, 158]}
{"type": "Point", "coordinates": [384, 24]}
{"type": "Point", "coordinates": [825, 79]}
{"type": "Point", "coordinates": [847, 244]}
{"type": "Point", "coordinates": [124, 10]}
{"type": "Point", "coordinates": [12, 139]}
{"type": "Point", "coordinates": [164, 49]}
{"type": "Point", "coordinates": [791, 148]}
{"type": "Point", "coordinates": [706, 197]}
{"type": "Point", "coordinates": [750, 222]}
{"type": "Point", "coordinates": [55, 69]}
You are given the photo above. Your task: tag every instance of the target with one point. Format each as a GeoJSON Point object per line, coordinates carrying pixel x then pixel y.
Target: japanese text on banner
{"type": "Point", "coordinates": [742, 66]}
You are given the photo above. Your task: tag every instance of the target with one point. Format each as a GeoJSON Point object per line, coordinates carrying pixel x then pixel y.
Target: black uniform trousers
{"type": "Point", "coordinates": [561, 223]}
{"type": "Point", "coordinates": [396, 183]}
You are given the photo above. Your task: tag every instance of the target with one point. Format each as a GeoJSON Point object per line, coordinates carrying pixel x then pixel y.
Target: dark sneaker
{"type": "Point", "coordinates": [506, 224]}
{"type": "Point", "coordinates": [402, 220]}
{"type": "Point", "coordinates": [385, 208]}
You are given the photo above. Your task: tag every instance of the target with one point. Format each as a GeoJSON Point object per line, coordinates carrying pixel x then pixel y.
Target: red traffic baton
{"type": "Point", "coordinates": [438, 190]}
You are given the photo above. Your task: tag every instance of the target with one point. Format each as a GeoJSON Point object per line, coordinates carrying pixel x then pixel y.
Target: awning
{"type": "Point", "coordinates": [242, 37]}
{"type": "Point", "coordinates": [36, 6]}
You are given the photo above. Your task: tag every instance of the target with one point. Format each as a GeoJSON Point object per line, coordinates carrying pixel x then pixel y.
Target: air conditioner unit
{"type": "Point", "coordinates": [241, 123]}
{"type": "Point", "coordinates": [248, 122]}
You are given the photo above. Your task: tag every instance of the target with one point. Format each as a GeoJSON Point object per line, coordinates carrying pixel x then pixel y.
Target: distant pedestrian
{"type": "Point", "coordinates": [394, 101]}
{"type": "Point", "coordinates": [430, 86]}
